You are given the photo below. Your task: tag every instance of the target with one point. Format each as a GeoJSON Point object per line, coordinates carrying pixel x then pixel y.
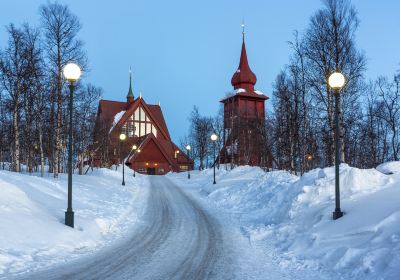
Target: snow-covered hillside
{"type": "Point", "coordinates": [32, 230]}
{"type": "Point", "coordinates": [293, 215]}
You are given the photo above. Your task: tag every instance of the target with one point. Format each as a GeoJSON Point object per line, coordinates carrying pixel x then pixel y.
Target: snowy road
{"type": "Point", "coordinates": [177, 239]}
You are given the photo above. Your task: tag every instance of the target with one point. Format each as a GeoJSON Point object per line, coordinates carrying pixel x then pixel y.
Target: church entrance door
{"type": "Point", "coordinates": [151, 171]}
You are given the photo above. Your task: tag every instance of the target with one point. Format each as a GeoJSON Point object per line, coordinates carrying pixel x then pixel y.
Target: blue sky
{"type": "Point", "coordinates": [183, 53]}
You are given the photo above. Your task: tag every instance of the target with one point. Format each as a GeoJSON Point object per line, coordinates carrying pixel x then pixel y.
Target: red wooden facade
{"type": "Point", "coordinates": [144, 126]}
{"type": "Point", "coordinates": [244, 120]}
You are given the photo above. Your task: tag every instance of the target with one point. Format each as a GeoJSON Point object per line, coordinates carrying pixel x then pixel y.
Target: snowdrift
{"type": "Point", "coordinates": [33, 234]}
{"type": "Point", "coordinates": [294, 216]}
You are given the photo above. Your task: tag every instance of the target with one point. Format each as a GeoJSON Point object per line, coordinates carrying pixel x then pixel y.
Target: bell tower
{"type": "Point", "coordinates": [244, 119]}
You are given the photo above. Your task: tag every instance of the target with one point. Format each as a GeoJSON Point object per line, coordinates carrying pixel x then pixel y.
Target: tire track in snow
{"type": "Point", "coordinates": [177, 240]}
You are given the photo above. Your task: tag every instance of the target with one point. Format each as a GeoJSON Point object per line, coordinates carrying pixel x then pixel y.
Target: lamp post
{"type": "Point", "coordinates": [71, 72]}
{"type": "Point", "coordinates": [336, 82]}
{"type": "Point", "coordinates": [309, 160]}
{"type": "Point", "coordinates": [188, 151]}
{"type": "Point", "coordinates": [214, 138]}
{"type": "Point", "coordinates": [122, 138]}
{"type": "Point", "coordinates": [134, 148]}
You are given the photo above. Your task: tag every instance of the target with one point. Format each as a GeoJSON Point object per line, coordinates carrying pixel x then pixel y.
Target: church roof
{"type": "Point", "coordinates": [109, 108]}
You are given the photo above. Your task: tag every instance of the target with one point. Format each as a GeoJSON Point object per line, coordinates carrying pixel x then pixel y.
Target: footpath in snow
{"type": "Point", "coordinates": [33, 234]}
{"type": "Point", "coordinates": [290, 217]}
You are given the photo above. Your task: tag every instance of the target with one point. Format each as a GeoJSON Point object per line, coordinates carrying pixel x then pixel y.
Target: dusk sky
{"type": "Point", "coordinates": [183, 53]}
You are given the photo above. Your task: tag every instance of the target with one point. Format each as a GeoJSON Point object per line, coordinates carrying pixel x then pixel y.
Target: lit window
{"type": "Point", "coordinates": [148, 128]}
{"type": "Point", "coordinates": [142, 115]}
{"type": "Point", "coordinates": [142, 129]}
{"type": "Point", "coordinates": [137, 114]}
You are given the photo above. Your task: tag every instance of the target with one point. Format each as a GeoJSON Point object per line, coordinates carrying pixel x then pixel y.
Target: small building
{"type": "Point", "coordinates": [244, 120]}
{"type": "Point", "coordinates": [145, 129]}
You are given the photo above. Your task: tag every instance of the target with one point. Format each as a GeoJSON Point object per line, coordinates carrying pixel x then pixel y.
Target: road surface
{"type": "Point", "coordinates": [177, 239]}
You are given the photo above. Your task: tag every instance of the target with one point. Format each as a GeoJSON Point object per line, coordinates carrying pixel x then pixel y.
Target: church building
{"type": "Point", "coordinates": [147, 148]}
{"type": "Point", "coordinates": [244, 120]}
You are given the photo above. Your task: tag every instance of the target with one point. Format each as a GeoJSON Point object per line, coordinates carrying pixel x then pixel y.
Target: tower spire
{"type": "Point", "coordinates": [130, 97]}
{"type": "Point", "coordinates": [244, 77]}
{"type": "Point", "coordinates": [243, 29]}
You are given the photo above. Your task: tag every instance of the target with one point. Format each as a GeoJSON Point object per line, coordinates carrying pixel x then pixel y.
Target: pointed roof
{"type": "Point", "coordinates": [244, 77]}
{"type": "Point", "coordinates": [154, 112]}
{"type": "Point", "coordinates": [130, 92]}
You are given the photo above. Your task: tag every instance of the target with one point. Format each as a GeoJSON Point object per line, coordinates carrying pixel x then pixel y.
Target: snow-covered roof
{"type": "Point", "coordinates": [239, 90]}
{"type": "Point", "coordinates": [259, 92]}
{"type": "Point", "coordinates": [117, 117]}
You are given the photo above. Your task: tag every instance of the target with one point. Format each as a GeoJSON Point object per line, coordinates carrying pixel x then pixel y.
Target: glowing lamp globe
{"type": "Point", "coordinates": [134, 147]}
{"type": "Point", "coordinates": [188, 147]}
{"type": "Point", "coordinates": [214, 137]}
{"type": "Point", "coordinates": [72, 72]}
{"type": "Point", "coordinates": [336, 80]}
{"type": "Point", "coordinates": [122, 137]}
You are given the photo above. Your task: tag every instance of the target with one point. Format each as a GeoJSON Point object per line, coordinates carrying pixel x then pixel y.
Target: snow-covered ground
{"type": "Point", "coordinates": [280, 225]}
{"type": "Point", "coordinates": [290, 217]}
{"type": "Point", "coordinates": [32, 230]}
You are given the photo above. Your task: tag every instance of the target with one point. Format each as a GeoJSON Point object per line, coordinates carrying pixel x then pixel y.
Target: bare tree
{"type": "Point", "coordinates": [389, 93]}
{"type": "Point", "coordinates": [12, 68]}
{"type": "Point", "coordinates": [61, 28]}
{"type": "Point", "coordinates": [329, 47]}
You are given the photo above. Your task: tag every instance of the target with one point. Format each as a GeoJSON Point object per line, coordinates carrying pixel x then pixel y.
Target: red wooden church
{"type": "Point", "coordinates": [244, 120]}
{"type": "Point", "coordinates": [145, 128]}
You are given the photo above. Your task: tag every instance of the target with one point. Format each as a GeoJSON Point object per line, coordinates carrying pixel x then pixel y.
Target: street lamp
{"type": "Point", "coordinates": [214, 138]}
{"type": "Point", "coordinates": [336, 82]}
{"type": "Point", "coordinates": [134, 148]}
{"type": "Point", "coordinates": [122, 138]}
{"type": "Point", "coordinates": [71, 72]}
{"type": "Point", "coordinates": [309, 161]}
{"type": "Point", "coordinates": [188, 151]}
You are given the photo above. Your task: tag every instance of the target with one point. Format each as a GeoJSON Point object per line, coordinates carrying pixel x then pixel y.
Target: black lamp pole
{"type": "Point", "coordinates": [189, 164]}
{"type": "Point", "coordinates": [338, 213]}
{"type": "Point", "coordinates": [134, 173]}
{"type": "Point", "coordinates": [214, 162]}
{"type": "Point", "coordinates": [123, 169]}
{"type": "Point", "coordinates": [69, 214]}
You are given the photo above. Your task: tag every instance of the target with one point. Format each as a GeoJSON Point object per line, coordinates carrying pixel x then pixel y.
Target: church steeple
{"type": "Point", "coordinates": [244, 77]}
{"type": "Point", "coordinates": [130, 97]}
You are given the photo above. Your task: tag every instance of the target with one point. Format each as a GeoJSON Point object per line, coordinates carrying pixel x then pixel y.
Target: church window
{"type": "Point", "coordinates": [183, 167]}
{"type": "Point", "coordinates": [139, 124]}
{"type": "Point", "coordinates": [137, 114]}
{"type": "Point", "coordinates": [142, 129]}
{"type": "Point", "coordinates": [148, 128]}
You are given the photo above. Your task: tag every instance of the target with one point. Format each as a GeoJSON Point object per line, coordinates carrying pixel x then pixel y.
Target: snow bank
{"type": "Point", "coordinates": [32, 209]}
{"type": "Point", "coordinates": [294, 215]}
{"type": "Point", "coordinates": [389, 167]}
